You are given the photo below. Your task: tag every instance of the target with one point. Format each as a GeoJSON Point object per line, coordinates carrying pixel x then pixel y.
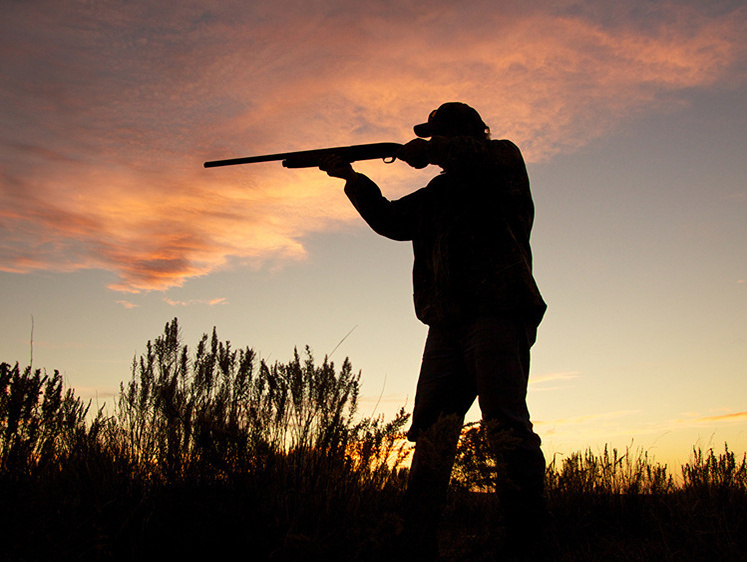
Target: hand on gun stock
{"type": "Point", "coordinates": [336, 167]}
{"type": "Point", "coordinates": [414, 153]}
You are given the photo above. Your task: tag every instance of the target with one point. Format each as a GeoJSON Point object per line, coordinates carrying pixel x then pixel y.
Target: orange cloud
{"type": "Point", "coordinates": [109, 115]}
{"type": "Point", "coordinates": [700, 420]}
{"type": "Point", "coordinates": [737, 416]}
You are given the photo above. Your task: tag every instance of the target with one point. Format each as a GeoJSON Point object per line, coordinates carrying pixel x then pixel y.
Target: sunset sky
{"type": "Point", "coordinates": [630, 115]}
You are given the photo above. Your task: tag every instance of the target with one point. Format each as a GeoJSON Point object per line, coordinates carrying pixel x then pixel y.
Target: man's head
{"type": "Point", "coordinates": [454, 119]}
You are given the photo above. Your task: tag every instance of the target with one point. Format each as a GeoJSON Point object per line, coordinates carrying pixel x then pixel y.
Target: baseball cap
{"type": "Point", "coordinates": [452, 118]}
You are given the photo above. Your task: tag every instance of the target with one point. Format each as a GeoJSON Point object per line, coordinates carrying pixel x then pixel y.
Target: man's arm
{"type": "Point", "coordinates": [393, 219]}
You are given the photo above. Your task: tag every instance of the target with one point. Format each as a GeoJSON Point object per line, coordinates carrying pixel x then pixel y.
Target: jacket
{"type": "Point", "coordinates": [470, 229]}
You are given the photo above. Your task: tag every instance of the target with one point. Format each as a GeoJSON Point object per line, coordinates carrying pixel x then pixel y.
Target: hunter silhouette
{"type": "Point", "coordinates": [474, 288]}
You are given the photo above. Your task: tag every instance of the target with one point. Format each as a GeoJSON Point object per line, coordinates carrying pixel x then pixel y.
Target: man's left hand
{"type": "Point", "coordinates": [336, 167]}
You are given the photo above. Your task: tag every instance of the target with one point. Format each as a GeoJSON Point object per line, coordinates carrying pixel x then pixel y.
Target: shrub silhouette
{"type": "Point", "coordinates": [211, 439]}
{"type": "Point", "coordinates": [222, 411]}
{"type": "Point", "coordinates": [211, 451]}
{"type": "Point", "coordinates": [39, 423]}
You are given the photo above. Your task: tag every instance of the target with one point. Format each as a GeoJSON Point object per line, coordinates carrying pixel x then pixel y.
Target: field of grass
{"type": "Point", "coordinates": [212, 453]}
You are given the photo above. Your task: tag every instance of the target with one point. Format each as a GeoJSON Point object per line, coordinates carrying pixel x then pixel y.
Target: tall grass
{"type": "Point", "coordinates": [610, 505]}
{"type": "Point", "coordinates": [211, 451]}
{"type": "Point", "coordinates": [207, 440]}
{"type": "Point", "coordinates": [40, 425]}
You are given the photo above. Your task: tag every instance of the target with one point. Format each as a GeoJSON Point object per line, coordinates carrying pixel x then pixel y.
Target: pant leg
{"type": "Point", "coordinates": [427, 486]}
{"type": "Point", "coordinates": [445, 392]}
{"type": "Point", "coordinates": [497, 348]}
{"type": "Point", "coordinates": [445, 385]}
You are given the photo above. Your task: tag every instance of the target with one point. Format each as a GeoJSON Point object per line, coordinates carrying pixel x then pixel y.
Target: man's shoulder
{"type": "Point", "coordinates": [506, 146]}
{"type": "Point", "coordinates": [506, 153]}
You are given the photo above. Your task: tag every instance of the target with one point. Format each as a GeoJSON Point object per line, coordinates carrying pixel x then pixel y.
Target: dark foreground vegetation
{"type": "Point", "coordinates": [213, 454]}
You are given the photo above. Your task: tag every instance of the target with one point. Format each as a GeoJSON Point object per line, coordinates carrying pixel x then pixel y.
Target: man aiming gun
{"type": "Point", "coordinates": [474, 288]}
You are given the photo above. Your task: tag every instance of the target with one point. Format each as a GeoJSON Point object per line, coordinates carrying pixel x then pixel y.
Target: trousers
{"type": "Point", "coordinates": [485, 358]}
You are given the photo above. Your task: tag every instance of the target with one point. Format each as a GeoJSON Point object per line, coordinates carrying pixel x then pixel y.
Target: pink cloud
{"type": "Point", "coordinates": [108, 114]}
{"type": "Point", "coordinates": [209, 302]}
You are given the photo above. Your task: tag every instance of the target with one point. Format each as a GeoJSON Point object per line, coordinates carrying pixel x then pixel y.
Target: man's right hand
{"type": "Point", "coordinates": [336, 167]}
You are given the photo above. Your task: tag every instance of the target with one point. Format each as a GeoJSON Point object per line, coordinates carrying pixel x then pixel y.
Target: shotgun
{"type": "Point", "coordinates": [311, 158]}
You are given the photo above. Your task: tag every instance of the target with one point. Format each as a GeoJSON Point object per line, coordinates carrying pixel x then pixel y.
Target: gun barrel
{"type": "Point", "coordinates": [311, 158]}
{"type": "Point", "coordinates": [248, 160]}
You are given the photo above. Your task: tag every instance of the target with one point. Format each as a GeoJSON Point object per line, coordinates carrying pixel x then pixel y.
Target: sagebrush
{"type": "Point", "coordinates": [211, 451]}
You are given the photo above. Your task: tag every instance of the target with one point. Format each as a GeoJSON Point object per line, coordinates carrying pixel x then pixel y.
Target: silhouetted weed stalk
{"type": "Point", "coordinates": [221, 412]}
{"type": "Point", "coordinates": [213, 450]}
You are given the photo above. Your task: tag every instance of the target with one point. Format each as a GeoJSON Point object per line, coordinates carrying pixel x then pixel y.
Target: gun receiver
{"type": "Point", "coordinates": [311, 158]}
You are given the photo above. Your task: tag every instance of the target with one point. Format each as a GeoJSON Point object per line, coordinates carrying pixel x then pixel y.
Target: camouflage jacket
{"type": "Point", "coordinates": [469, 228]}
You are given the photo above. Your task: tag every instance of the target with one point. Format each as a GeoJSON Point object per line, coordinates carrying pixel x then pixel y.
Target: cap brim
{"type": "Point", "coordinates": [423, 130]}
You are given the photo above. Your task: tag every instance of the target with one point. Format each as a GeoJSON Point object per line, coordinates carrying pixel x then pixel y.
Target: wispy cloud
{"type": "Point", "coordinates": [108, 114]}
{"type": "Point", "coordinates": [586, 418]}
{"type": "Point", "coordinates": [208, 302]}
{"type": "Point", "coordinates": [698, 419]}
{"type": "Point", "coordinates": [552, 377]}
{"type": "Point", "coordinates": [629, 424]}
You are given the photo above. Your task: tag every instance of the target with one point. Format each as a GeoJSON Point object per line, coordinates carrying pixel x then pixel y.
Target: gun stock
{"type": "Point", "coordinates": [311, 158]}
